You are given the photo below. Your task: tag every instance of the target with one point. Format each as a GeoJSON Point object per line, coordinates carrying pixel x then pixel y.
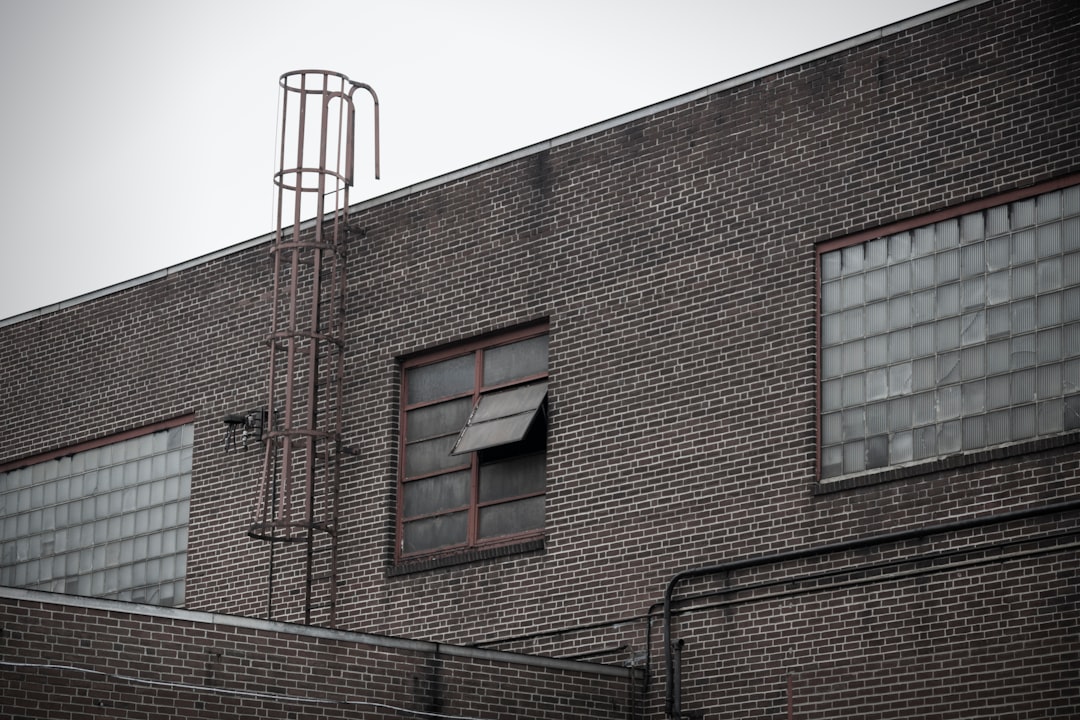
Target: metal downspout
{"type": "Point", "coordinates": [673, 703]}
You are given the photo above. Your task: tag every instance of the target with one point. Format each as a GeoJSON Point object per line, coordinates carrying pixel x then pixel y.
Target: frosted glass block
{"type": "Point", "coordinates": [173, 438]}
{"type": "Point", "coordinates": [185, 484]}
{"type": "Point", "coordinates": [924, 442]}
{"type": "Point", "coordinates": [899, 345]}
{"type": "Point", "coordinates": [1072, 413]}
{"type": "Point", "coordinates": [947, 234]}
{"type": "Point", "coordinates": [900, 448]}
{"type": "Point", "coordinates": [127, 551]}
{"type": "Point", "coordinates": [972, 261]}
{"type": "Point", "coordinates": [1048, 240]}
{"type": "Point", "coordinates": [922, 306]}
{"type": "Point", "coordinates": [830, 265]}
{"type": "Point", "coordinates": [126, 579]}
{"type": "Point", "coordinates": [831, 297]}
{"type": "Point", "coordinates": [1070, 376]}
{"type": "Point", "coordinates": [105, 456]}
{"type": "Point", "coordinates": [877, 384]}
{"type": "Point", "coordinates": [877, 253]}
{"type": "Point", "coordinates": [71, 564]}
{"type": "Point", "coordinates": [973, 362]}
{"type": "Point", "coordinates": [851, 323]}
{"type": "Point", "coordinates": [949, 437]}
{"type": "Point", "coordinates": [63, 489]}
{"type": "Point", "coordinates": [142, 521]}
{"type": "Point", "coordinates": [899, 279]}
{"type": "Point", "coordinates": [59, 566]}
{"type": "Point", "coordinates": [924, 408]}
{"type": "Point", "coordinates": [1048, 346]}
{"type": "Point", "coordinates": [168, 567]}
{"type": "Point", "coordinates": [900, 379]}
{"type": "Point", "coordinates": [86, 560]}
{"type": "Point", "coordinates": [153, 545]}
{"type": "Point", "coordinates": [49, 494]}
{"type": "Point", "coordinates": [48, 518]}
{"type": "Point", "coordinates": [97, 583]}
{"type": "Point", "coordinates": [1022, 284]}
{"type": "Point", "coordinates": [1048, 206]}
{"type": "Point", "coordinates": [172, 488]}
{"type": "Point", "coordinates": [1070, 340]}
{"type": "Point", "coordinates": [20, 575]}
{"type": "Point", "coordinates": [127, 524]}
{"type": "Point", "coordinates": [877, 350]}
{"type": "Point", "coordinates": [35, 521]}
{"type": "Point", "coordinates": [1022, 421]}
{"type": "Point", "coordinates": [877, 418]}
{"type": "Point", "coordinates": [24, 503]}
{"type": "Point", "coordinates": [141, 545]}
{"type": "Point", "coordinates": [973, 396]}
{"type": "Point", "coordinates": [23, 524]}
{"type": "Point", "coordinates": [999, 321]}
{"type": "Point", "coordinates": [971, 228]}
{"type": "Point", "coordinates": [899, 414]}
{"type": "Point", "coordinates": [973, 328]}
{"type": "Point", "coordinates": [157, 465]}
{"type": "Point", "coordinates": [1048, 382]}
{"type": "Point", "coordinates": [877, 318]}
{"type": "Point", "coordinates": [947, 334]}
{"type": "Point", "coordinates": [101, 507]}
{"type": "Point", "coordinates": [922, 273]}
{"type": "Point", "coordinates": [156, 516]}
{"type": "Point", "coordinates": [153, 571]}
{"type": "Point", "coordinates": [160, 441]}
{"type": "Point", "coordinates": [997, 392]}
{"type": "Point", "coordinates": [1048, 310]}
{"type": "Point", "coordinates": [997, 252]}
{"type": "Point", "coordinates": [949, 402]}
{"type": "Point", "coordinates": [852, 356]}
{"type": "Point", "coordinates": [1049, 275]}
{"type": "Point", "coordinates": [832, 362]}
{"type": "Point", "coordinates": [101, 532]}
{"type": "Point", "coordinates": [182, 538]}
{"type": "Point", "coordinates": [146, 445]}
{"type": "Point", "coordinates": [1022, 213]}
{"type": "Point", "coordinates": [899, 247]}
{"type": "Point", "coordinates": [172, 464]}
{"type": "Point", "coordinates": [182, 512]}
{"type": "Point", "coordinates": [169, 518]}
{"type": "Point", "coordinates": [899, 312]}
{"type": "Point", "coordinates": [1070, 270]}
{"type": "Point", "coordinates": [1022, 351]}
{"type": "Point", "coordinates": [185, 460]}
{"type": "Point", "coordinates": [997, 287]}
{"type": "Point", "coordinates": [37, 496]}
{"type": "Point", "coordinates": [973, 294]}
{"type": "Point", "coordinates": [157, 492]}
{"type": "Point", "coordinates": [923, 374]}
{"type": "Point", "coordinates": [851, 289]}
{"type": "Point", "coordinates": [98, 560]}
{"type": "Point", "coordinates": [877, 284]}
{"type": "Point", "coordinates": [1070, 234]}
{"type": "Point", "coordinates": [1070, 200]}
{"type": "Point", "coordinates": [112, 554]}
{"type": "Point", "coordinates": [922, 241]}
{"type": "Point", "coordinates": [142, 495]}
{"type": "Point", "coordinates": [854, 423]}
{"type": "Point", "coordinates": [116, 477]}
{"type": "Point", "coordinates": [115, 502]}
{"type": "Point", "coordinates": [1050, 416]}
{"type": "Point", "coordinates": [168, 542]}
{"type": "Point", "coordinates": [88, 512]}
{"type": "Point", "coordinates": [146, 469]}
{"type": "Point", "coordinates": [1023, 387]}
{"type": "Point", "coordinates": [131, 474]}
{"type": "Point", "coordinates": [947, 266]}
{"type": "Point", "coordinates": [188, 435]}
{"type": "Point", "coordinates": [854, 457]}
{"type": "Point", "coordinates": [852, 259]}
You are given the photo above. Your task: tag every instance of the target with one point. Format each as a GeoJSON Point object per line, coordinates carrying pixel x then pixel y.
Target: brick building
{"type": "Point", "coordinates": [760, 402]}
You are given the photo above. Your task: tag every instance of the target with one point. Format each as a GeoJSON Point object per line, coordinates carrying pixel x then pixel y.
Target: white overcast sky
{"type": "Point", "coordinates": [137, 134]}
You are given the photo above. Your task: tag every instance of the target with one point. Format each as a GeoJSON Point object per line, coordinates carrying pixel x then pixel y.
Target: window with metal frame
{"type": "Point", "coordinates": [473, 445]}
{"type": "Point", "coordinates": [104, 519]}
{"type": "Point", "coordinates": [952, 336]}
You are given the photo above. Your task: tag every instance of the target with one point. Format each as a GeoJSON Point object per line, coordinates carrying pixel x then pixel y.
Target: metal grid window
{"type": "Point", "coordinates": [474, 442]}
{"type": "Point", "coordinates": [110, 521]}
{"type": "Point", "coordinates": [953, 337]}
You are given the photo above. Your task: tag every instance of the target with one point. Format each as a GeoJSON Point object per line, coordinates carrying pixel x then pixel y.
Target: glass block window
{"type": "Point", "coordinates": [109, 521]}
{"type": "Point", "coordinates": [954, 337]}
{"type": "Point", "coordinates": [474, 443]}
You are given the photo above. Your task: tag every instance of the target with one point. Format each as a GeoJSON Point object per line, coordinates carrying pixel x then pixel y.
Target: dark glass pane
{"type": "Point", "coordinates": [430, 456]}
{"type": "Point", "coordinates": [436, 532]}
{"type": "Point", "coordinates": [512, 517]}
{"type": "Point", "coordinates": [877, 452]}
{"type": "Point", "coordinates": [516, 360]}
{"type": "Point", "coordinates": [512, 477]}
{"type": "Point", "coordinates": [441, 379]}
{"type": "Point", "coordinates": [434, 420]}
{"type": "Point", "coordinates": [436, 494]}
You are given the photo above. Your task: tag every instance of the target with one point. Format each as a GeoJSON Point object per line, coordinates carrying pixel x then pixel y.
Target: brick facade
{"type": "Point", "coordinates": [672, 253]}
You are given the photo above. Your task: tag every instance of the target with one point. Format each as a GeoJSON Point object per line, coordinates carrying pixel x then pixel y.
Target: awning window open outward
{"type": "Point", "coordinates": [501, 418]}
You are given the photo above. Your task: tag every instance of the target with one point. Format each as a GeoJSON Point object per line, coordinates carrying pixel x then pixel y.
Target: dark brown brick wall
{"type": "Point", "coordinates": [674, 258]}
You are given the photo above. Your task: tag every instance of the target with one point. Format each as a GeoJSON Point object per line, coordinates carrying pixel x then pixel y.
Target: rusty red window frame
{"type": "Point", "coordinates": [477, 347]}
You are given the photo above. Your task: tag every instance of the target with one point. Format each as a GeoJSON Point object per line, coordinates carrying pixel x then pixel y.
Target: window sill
{"type": "Point", "coordinates": [464, 557]}
{"type": "Point", "coordinates": [951, 462]}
